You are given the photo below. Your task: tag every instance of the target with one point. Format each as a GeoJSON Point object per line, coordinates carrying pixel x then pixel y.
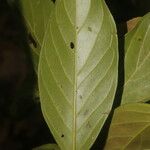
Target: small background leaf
{"type": "Point", "coordinates": [47, 147]}
{"type": "Point", "coordinates": [132, 23]}
{"type": "Point", "coordinates": [137, 63]}
{"type": "Point", "coordinates": [78, 71]}
{"type": "Point", "coordinates": [130, 128]}
{"type": "Point", "coordinates": [37, 15]}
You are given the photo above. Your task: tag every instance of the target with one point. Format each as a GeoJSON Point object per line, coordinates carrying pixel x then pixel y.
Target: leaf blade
{"type": "Point", "coordinates": [137, 63]}
{"type": "Point", "coordinates": [76, 54]}
{"type": "Point", "coordinates": [132, 131]}
{"type": "Point", "coordinates": [36, 15]}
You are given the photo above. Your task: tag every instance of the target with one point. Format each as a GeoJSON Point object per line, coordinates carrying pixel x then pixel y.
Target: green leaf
{"type": "Point", "coordinates": [47, 147]}
{"type": "Point", "coordinates": [137, 63]}
{"type": "Point", "coordinates": [37, 15]}
{"type": "Point", "coordinates": [78, 71]}
{"type": "Point", "coordinates": [130, 128]}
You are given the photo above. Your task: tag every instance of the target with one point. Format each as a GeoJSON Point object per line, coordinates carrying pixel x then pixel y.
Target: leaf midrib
{"type": "Point", "coordinates": [75, 85]}
{"type": "Point", "coordinates": [77, 31]}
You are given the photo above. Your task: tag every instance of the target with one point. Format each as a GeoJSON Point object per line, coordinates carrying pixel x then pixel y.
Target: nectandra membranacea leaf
{"type": "Point", "coordinates": [130, 128]}
{"type": "Point", "coordinates": [37, 15]}
{"type": "Point", "coordinates": [78, 71]}
{"type": "Point", "coordinates": [137, 63]}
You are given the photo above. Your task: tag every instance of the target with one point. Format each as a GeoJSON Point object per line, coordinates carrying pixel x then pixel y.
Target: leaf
{"type": "Point", "coordinates": [137, 63]}
{"type": "Point", "coordinates": [37, 15]}
{"type": "Point", "coordinates": [78, 71]}
{"type": "Point", "coordinates": [132, 23]}
{"type": "Point", "coordinates": [130, 128]}
{"type": "Point", "coordinates": [47, 147]}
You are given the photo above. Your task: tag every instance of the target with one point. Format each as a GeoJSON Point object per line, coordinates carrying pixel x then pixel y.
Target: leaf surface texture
{"type": "Point", "coordinates": [137, 63]}
{"type": "Point", "coordinates": [78, 71]}
{"type": "Point", "coordinates": [130, 128]}
{"type": "Point", "coordinates": [37, 15]}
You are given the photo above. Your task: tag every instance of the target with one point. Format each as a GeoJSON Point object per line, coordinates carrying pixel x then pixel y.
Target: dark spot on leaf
{"type": "Point", "coordinates": [32, 41]}
{"type": "Point", "coordinates": [88, 125]}
{"type": "Point", "coordinates": [61, 86]}
{"type": "Point", "coordinates": [86, 112]}
{"type": "Point", "coordinates": [71, 45]}
{"type": "Point", "coordinates": [62, 135]}
{"type": "Point", "coordinates": [80, 96]}
{"type": "Point", "coordinates": [139, 39]}
{"type": "Point", "coordinates": [106, 113]}
{"type": "Point", "coordinates": [90, 29]}
{"type": "Point", "coordinates": [77, 28]}
{"type": "Point", "coordinates": [53, 1]}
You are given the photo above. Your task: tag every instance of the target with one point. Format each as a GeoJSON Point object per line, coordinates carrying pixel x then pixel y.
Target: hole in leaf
{"type": "Point", "coordinates": [62, 135]}
{"type": "Point", "coordinates": [71, 45]}
{"type": "Point", "coordinates": [53, 1]}
{"type": "Point", "coordinates": [32, 41]}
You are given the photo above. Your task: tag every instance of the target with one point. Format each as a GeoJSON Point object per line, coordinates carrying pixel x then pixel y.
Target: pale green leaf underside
{"type": "Point", "coordinates": [130, 128]}
{"type": "Point", "coordinates": [78, 71]}
{"type": "Point", "coordinates": [37, 15]}
{"type": "Point", "coordinates": [47, 147]}
{"type": "Point", "coordinates": [137, 63]}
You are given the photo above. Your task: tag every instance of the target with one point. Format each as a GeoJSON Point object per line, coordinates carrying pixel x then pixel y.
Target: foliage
{"type": "Point", "coordinates": [137, 62]}
{"type": "Point", "coordinates": [37, 24]}
{"type": "Point", "coordinates": [68, 66]}
{"type": "Point", "coordinates": [130, 128]}
{"type": "Point", "coordinates": [77, 73]}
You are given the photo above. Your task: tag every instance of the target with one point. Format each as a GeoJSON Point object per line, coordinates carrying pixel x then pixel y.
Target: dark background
{"type": "Point", "coordinates": [22, 126]}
